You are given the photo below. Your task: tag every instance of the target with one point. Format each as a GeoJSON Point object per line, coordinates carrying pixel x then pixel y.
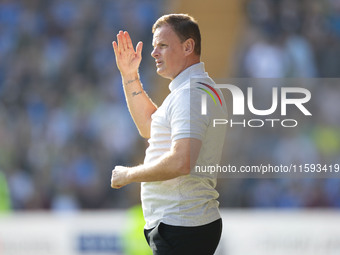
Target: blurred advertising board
{"type": "Point", "coordinates": [262, 232]}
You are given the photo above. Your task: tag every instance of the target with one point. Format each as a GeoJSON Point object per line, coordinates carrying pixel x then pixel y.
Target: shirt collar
{"type": "Point", "coordinates": [186, 74]}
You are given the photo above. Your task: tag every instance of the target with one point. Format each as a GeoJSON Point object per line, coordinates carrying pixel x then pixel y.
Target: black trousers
{"type": "Point", "coordinates": [174, 240]}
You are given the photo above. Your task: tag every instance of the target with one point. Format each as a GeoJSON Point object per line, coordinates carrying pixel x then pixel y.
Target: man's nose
{"type": "Point", "coordinates": [154, 53]}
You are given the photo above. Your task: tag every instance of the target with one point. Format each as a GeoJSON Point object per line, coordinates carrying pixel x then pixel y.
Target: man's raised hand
{"type": "Point", "coordinates": [127, 59]}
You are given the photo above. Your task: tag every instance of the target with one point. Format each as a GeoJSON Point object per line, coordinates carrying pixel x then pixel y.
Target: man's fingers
{"type": "Point", "coordinates": [124, 43]}
{"type": "Point", "coordinates": [115, 47]}
{"type": "Point", "coordinates": [125, 46]}
{"type": "Point", "coordinates": [128, 40]}
{"type": "Point", "coordinates": [113, 180]}
{"type": "Point", "coordinates": [139, 48]}
{"type": "Point", "coordinates": [120, 41]}
{"type": "Point", "coordinates": [115, 186]}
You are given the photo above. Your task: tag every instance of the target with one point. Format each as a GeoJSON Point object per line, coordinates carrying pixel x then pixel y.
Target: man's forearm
{"type": "Point", "coordinates": [140, 105]}
{"type": "Point", "coordinates": [166, 168]}
{"type": "Point", "coordinates": [177, 162]}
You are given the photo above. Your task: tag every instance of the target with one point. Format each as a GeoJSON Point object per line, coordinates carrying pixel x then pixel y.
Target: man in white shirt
{"type": "Point", "coordinates": [179, 204]}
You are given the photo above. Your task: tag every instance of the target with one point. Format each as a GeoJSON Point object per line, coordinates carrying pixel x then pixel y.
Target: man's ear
{"type": "Point", "coordinates": [189, 46]}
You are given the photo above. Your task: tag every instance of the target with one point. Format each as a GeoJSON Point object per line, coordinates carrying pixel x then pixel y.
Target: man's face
{"type": "Point", "coordinates": [169, 53]}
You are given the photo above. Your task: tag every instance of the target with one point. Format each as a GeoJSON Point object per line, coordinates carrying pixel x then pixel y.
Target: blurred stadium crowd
{"type": "Point", "coordinates": [290, 39]}
{"type": "Point", "coordinates": [63, 119]}
{"type": "Point", "coordinates": [64, 124]}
